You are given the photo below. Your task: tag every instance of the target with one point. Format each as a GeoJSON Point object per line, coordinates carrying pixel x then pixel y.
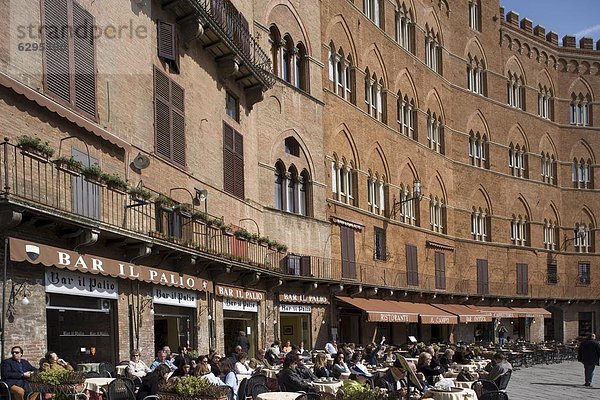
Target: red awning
{"type": "Point", "coordinates": [465, 314]}
{"type": "Point", "coordinates": [496, 312]}
{"type": "Point", "coordinates": [400, 311]}
{"type": "Point", "coordinates": [532, 312]}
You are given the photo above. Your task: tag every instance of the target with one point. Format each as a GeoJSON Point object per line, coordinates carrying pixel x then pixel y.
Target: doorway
{"type": "Point", "coordinates": [295, 328]}
{"type": "Point", "coordinates": [173, 327]}
{"type": "Point", "coordinates": [233, 323]}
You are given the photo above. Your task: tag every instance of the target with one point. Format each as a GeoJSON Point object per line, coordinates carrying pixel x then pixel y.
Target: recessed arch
{"type": "Point", "coordinates": [284, 14]}
{"type": "Point", "coordinates": [433, 102]}
{"type": "Point", "coordinates": [474, 47]}
{"type": "Point", "coordinates": [404, 80]}
{"type": "Point", "coordinates": [339, 22]}
{"type": "Point", "coordinates": [478, 123]}
{"type": "Point", "coordinates": [513, 64]}
{"type": "Point", "coordinates": [380, 71]}
{"type": "Point", "coordinates": [376, 151]}
{"type": "Point", "coordinates": [432, 22]}
{"type": "Point", "coordinates": [582, 146]}
{"type": "Point", "coordinates": [544, 79]}
{"type": "Point", "coordinates": [305, 154]}
{"type": "Point", "coordinates": [516, 134]}
{"type": "Point", "coordinates": [346, 134]}
{"type": "Point", "coordinates": [581, 86]}
{"type": "Point", "coordinates": [545, 142]}
{"type": "Point", "coordinates": [481, 191]}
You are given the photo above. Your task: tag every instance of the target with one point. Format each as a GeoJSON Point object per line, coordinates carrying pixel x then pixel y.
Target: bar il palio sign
{"type": "Point", "coordinates": [35, 253]}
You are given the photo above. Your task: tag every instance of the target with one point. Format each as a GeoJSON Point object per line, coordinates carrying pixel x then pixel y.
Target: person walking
{"type": "Point", "coordinates": [589, 355]}
{"type": "Point", "coordinates": [502, 335]}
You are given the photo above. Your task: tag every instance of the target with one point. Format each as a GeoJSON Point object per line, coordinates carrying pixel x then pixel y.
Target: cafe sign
{"type": "Point", "coordinates": [35, 253]}
{"type": "Point", "coordinates": [475, 318]}
{"type": "Point", "coordinates": [392, 317]}
{"type": "Point", "coordinates": [302, 298]}
{"type": "Point", "coordinates": [295, 308]}
{"type": "Point", "coordinates": [439, 319]}
{"type": "Point", "coordinates": [72, 283]}
{"type": "Point", "coordinates": [239, 293]}
{"type": "Point", "coordinates": [174, 297]}
{"type": "Point", "coordinates": [240, 305]}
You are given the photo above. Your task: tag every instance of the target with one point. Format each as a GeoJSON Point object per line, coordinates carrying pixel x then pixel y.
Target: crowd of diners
{"type": "Point", "coordinates": [374, 365]}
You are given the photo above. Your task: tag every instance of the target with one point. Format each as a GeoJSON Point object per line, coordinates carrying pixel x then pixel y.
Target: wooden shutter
{"type": "Point", "coordinates": [238, 165]}
{"type": "Point", "coordinates": [482, 277]}
{"type": "Point", "coordinates": [348, 252]}
{"type": "Point", "coordinates": [167, 40]}
{"type": "Point", "coordinates": [169, 118]}
{"type": "Point", "coordinates": [228, 169]}
{"type": "Point", "coordinates": [162, 114]}
{"type": "Point", "coordinates": [57, 58]}
{"type": "Point", "coordinates": [522, 279]}
{"type": "Point", "coordinates": [178, 123]}
{"type": "Point", "coordinates": [84, 61]}
{"type": "Point", "coordinates": [440, 270]}
{"type": "Point", "coordinates": [411, 265]}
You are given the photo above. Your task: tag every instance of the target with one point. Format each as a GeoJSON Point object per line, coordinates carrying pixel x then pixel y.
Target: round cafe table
{"type": "Point", "coordinates": [97, 384]}
{"type": "Point", "coordinates": [464, 394]}
{"type": "Point", "coordinates": [453, 374]}
{"type": "Point", "coordinates": [327, 387]}
{"type": "Point", "coordinates": [278, 396]}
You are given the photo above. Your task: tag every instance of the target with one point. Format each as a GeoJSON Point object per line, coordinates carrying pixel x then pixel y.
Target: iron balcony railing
{"type": "Point", "coordinates": [222, 15]}
{"type": "Point", "coordinates": [41, 185]}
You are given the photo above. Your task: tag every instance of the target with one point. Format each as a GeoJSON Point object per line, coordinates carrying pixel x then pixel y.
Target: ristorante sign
{"type": "Point", "coordinates": [35, 253]}
{"type": "Point", "coordinates": [391, 317]}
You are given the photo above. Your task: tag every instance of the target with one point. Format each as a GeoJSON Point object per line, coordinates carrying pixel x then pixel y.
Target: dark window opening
{"type": "Point", "coordinates": [380, 250]}
{"type": "Point", "coordinates": [584, 276]}
{"type": "Point", "coordinates": [232, 106]}
{"type": "Point", "coordinates": [292, 146]}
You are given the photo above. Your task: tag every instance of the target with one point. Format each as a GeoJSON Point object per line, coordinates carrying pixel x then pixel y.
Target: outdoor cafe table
{"type": "Point", "coordinates": [464, 394]}
{"type": "Point", "coordinates": [93, 387]}
{"type": "Point", "coordinates": [469, 367]}
{"type": "Point", "coordinates": [278, 396]}
{"type": "Point", "coordinates": [327, 387]}
{"type": "Point", "coordinates": [240, 377]}
{"type": "Point", "coordinates": [452, 374]}
{"type": "Point", "coordinates": [464, 385]}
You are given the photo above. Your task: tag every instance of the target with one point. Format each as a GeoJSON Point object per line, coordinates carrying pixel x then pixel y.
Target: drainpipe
{"type": "Point", "coordinates": [2, 334]}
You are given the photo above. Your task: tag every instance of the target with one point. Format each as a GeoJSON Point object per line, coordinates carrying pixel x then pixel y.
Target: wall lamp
{"type": "Point", "coordinates": [417, 195]}
{"type": "Point", "coordinates": [201, 196]}
{"type": "Point", "coordinates": [579, 235]}
{"type": "Point", "coordinates": [16, 290]}
{"type": "Point", "coordinates": [144, 304]}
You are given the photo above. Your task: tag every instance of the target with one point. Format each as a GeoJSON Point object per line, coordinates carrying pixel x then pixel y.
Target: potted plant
{"type": "Point", "coordinates": [192, 388]}
{"type": "Point", "coordinates": [184, 209]}
{"type": "Point", "coordinates": [164, 202]}
{"type": "Point", "coordinates": [199, 216]}
{"type": "Point", "coordinates": [157, 235]}
{"type": "Point", "coordinates": [58, 381]}
{"type": "Point", "coordinates": [115, 182]}
{"type": "Point", "coordinates": [282, 248]}
{"type": "Point", "coordinates": [242, 234]}
{"type": "Point", "coordinates": [34, 147]}
{"type": "Point", "coordinates": [93, 173]}
{"type": "Point", "coordinates": [227, 230]}
{"type": "Point", "coordinates": [139, 194]}
{"type": "Point", "coordinates": [263, 241]}
{"type": "Point", "coordinates": [69, 165]}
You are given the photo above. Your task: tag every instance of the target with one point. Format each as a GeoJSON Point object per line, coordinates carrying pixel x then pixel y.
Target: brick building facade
{"type": "Point", "coordinates": [297, 153]}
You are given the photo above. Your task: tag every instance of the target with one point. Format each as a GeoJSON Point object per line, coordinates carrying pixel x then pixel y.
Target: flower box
{"type": "Point", "coordinates": [68, 165]}
{"type": "Point", "coordinates": [35, 148]}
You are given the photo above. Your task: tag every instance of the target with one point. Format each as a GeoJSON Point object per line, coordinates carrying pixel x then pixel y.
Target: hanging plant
{"type": "Point", "coordinates": [92, 173]}
{"type": "Point", "coordinates": [184, 209]}
{"type": "Point", "coordinates": [34, 146]}
{"type": "Point", "coordinates": [140, 194]}
{"type": "Point", "coordinates": [69, 165]}
{"type": "Point", "coordinates": [114, 182]}
{"type": "Point", "coordinates": [165, 202]}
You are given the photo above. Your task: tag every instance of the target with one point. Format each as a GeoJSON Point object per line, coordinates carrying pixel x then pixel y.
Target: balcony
{"type": "Point", "coordinates": [224, 31]}
{"type": "Point", "coordinates": [46, 195]}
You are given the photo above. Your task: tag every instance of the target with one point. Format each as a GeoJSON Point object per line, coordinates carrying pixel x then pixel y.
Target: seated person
{"type": "Point", "coordinates": [228, 376]}
{"type": "Point", "coordinates": [459, 356]}
{"type": "Point", "coordinates": [469, 354]}
{"type": "Point", "coordinates": [394, 379]}
{"type": "Point", "coordinates": [500, 367]}
{"type": "Point", "coordinates": [287, 348]}
{"type": "Point", "coordinates": [182, 356]}
{"type": "Point", "coordinates": [304, 372]}
{"type": "Point", "coordinates": [16, 372]}
{"type": "Point", "coordinates": [136, 367]}
{"type": "Point", "coordinates": [260, 361]}
{"type": "Point", "coordinates": [288, 378]}
{"type": "Point", "coordinates": [424, 366]}
{"type": "Point", "coordinates": [241, 366]}
{"type": "Point", "coordinates": [162, 358]}
{"type": "Point", "coordinates": [203, 370]}
{"type": "Point", "coordinates": [390, 357]}
{"type": "Point", "coordinates": [214, 361]}
{"type": "Point", "coordinates": [339, 366]}
{"type": "Point", "coordinates": [320, 368]}
{"type": "Point", "coordinates": [446, 359]}
{"type": "Point", "coordinates": [53, 362]}
{"type": "Point", "coordinates": [153, 380]}
{"type": "Point", "coordinates": [302, 351]}
{"type": "Point", "coordinates": [434, 360]}
{"type": "Point", "coordinates": [184, 369]}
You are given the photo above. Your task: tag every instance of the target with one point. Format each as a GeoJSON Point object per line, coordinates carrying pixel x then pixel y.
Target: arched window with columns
{"type": "Point", "coordinates": [409, 207]}
{"type": "Point", "coordinates": [376, 194]}
{"type": "Point", "coordinates": [341, 73]}
{"type": "Point", "coordinates": [435, 132]}
{"type": "Point", "coordinates": [292, 190]}
{"type": "Point", "coordinates": [405, 29]}
{"type": "Point", "coordinates": [478, 150]}
{"type": "Point", "coordinates": [582, 173]}
{"type": "Point", "coordinates": [437, 214]}
{"type": "Point", "coordinates": [343, 181]}
{"type": "Point", "coordinates": [407, 116]}
{"type": "Point", "coordinates": [519, 227]}
{"type": "Point", "coordinates": [480, 224]}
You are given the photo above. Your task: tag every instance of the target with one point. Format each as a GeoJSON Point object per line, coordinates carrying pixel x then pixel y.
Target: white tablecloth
{"type": "Point", "coordinates": [278, 396]}
{"type": "Point", "coordinates": [328, 387]}
{"type": "Point", "coordinates": [465, 394]}
{"type": "Point", "coordinates": [469, 367]}
{"type": "Point", "coordinates": [96, 384]}
{"type": "Point", "coordinates": [88, 367]}
{"type": "Point", "coordinates": [465, 385]}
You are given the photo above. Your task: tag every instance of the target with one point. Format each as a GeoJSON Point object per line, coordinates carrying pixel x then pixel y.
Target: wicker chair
{"type": "Point", "coordinates": [258, 389]}
{"type": "Point", "coordinates": [483, 386]}
{"type": "Point", "coordinates": [497, 395]}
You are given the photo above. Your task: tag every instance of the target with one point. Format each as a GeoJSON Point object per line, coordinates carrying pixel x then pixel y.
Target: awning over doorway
{"type": "Point", "coordinates": [400, 311]}
{"type": "Point", "coordinates": [532, 312]}
{"type": "Point", "coordinates": [512, 312]}
{"type": "Point", "coordinates": [464, 313]}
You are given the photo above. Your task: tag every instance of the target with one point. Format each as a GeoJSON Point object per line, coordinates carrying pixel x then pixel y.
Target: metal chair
{"type": "Point", "coordinates": [258, 379]}
{"type": "Point", "coordinates": [107, 370]}
{"type": "Point", "coordinates": [93, 374]}
{"type": "Point", "coordinates": [242, 387]}
{"type": "Point", "coordinates": [309, 396]}
{"type": "Point", "coordinates": [497, 395]}
{"type": "Point", "coordinates": [258, 389]}
{"type": "Point", "coordinates": [483, 386]}
{"type": "Point", "coordinates": [4, 391]}
{"type": "Point", "coordinates": [121, 389]}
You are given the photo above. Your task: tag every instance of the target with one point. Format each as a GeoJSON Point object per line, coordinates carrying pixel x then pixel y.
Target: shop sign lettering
{"type": "Point", "coordinates": [389, 317]}
{"type": "Point", "coordinates": [34, 253]}
{"type": "Point", "coordinates": [240, 305]}
{"type": "Point", "coordinates": [66, 282]}
{"type": "Point", "coordinates": [295, 308]}
{"type": "Point", "coordinates": [302, 298]}
{"type": "Point", "coordinates": [438, 319]}
{"type": "Point", "coordinates": [239, 293]}
{"type": "Point", "coordinates": [475, 318]}
{"type": "Point", "coordinates": [174, 297]}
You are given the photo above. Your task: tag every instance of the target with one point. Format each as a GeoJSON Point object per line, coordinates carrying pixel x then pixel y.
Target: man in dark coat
{"type": "Point", "coordinates": [288, 378]}
{"type": "Point", "coordinates": [589, 355]}
{"type": "Point", "coordinates": [15, 373]}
